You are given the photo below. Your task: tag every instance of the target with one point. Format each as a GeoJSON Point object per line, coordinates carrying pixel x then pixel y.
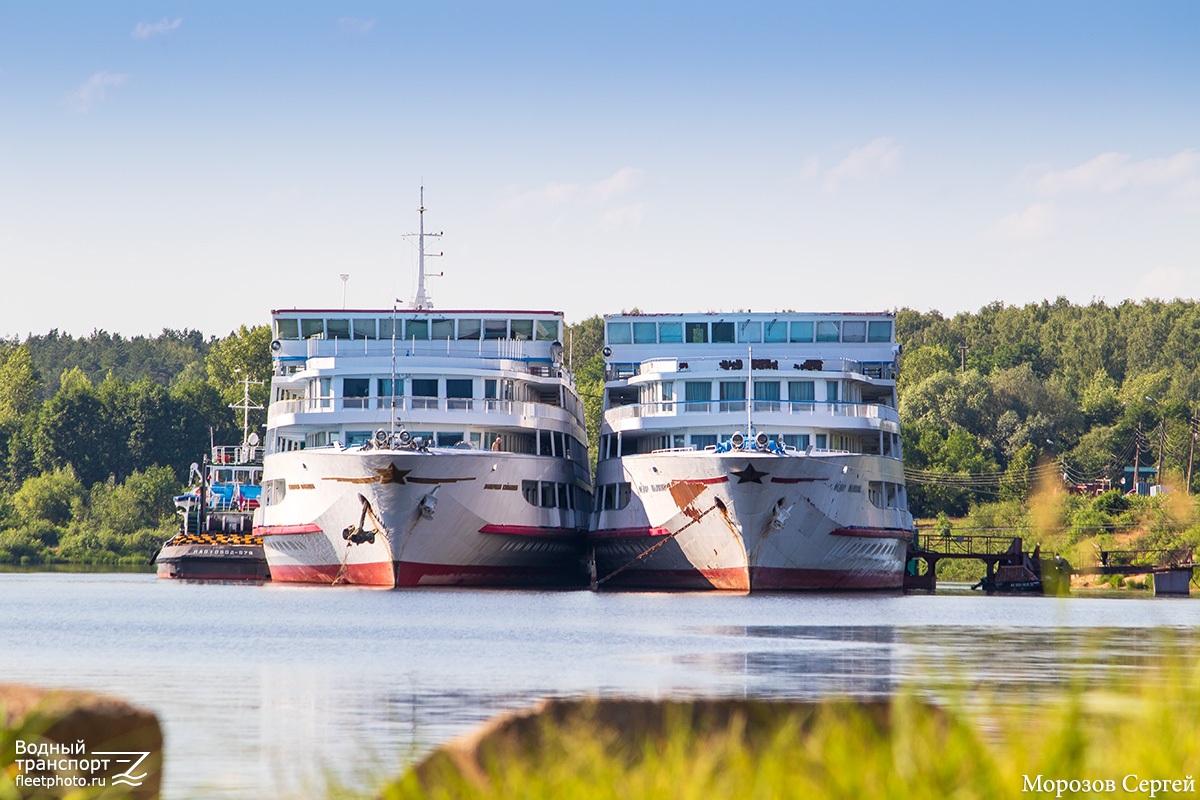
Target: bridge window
{"type": "Point", "coordinates": [854, 331]}
{"type": "Point", "coordinates": [775, 331]}
{"type": "Point", "coordinates": [337, 329]}
{"type": "Point", "coordinates": [722, 333]}
{"type": "Point", "coordinates": [416, 329]}
{"type": "Point", "coordinates": [522, 329]}
{"type": "Point", "coordinates": [312, 327]}
{"type": "Point", "coordinates": [802, 331]}
{"type": "Point", "coordinates": [547, 330]}
{"type": "Point", "coordinates": [670, 332]}
{"type": "Point", "coordinates": [697, 332]}
{"type": "Point", "coordinates": [495, 328]}
{"type": "Point", "coordinates": [828, 331]}
{"type": "Point", "coordinates": [363, 328]}
{"type": "Point", "coordinates": [386, 328]}
{"type": "Point", "coordinates": [442, 329]}
{"type": "Point", "coordinates": [750, 332]}
{"type": "Point", "coordinates": [618, 333]}
{"type": "Point", "coordinates": [470, 329]}
{"type": "Point", "coordinates": [879, 332]}
{"type": "Point", "coordinates": [644, 332]}
{"type": "Point", "coordinates": [287, 329]}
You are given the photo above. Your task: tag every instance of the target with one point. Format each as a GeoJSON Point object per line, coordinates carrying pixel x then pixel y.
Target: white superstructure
{"type": "Point", "coordinates": [416, 446]}
{"type": "Point", "coordinates": [750, 451]}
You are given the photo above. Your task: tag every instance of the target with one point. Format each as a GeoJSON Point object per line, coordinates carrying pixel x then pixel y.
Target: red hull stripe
{"type": "Point", "coordinates": [627, 533]}
{"type": "Point", "coordinates": [285, 530]}
{"type": "Point", "coordinates": [529, 530]}
{"type": "Point", "coordinates": [416, 574]}
{"type": "Point", "coordinates": [874, 533]}
{"type": "Point", "coordinates": [378, 573]}
{"type": "Point", "coordinates": [797, 480]}
{"type": "Point", "coordinates": [705, 481]}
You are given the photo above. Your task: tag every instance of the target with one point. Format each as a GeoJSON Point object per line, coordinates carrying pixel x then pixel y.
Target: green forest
{"type": "Point", "coordinates": [999, 407]}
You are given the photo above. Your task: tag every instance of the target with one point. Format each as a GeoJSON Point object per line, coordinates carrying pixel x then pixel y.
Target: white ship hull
{"type": "Point", "coordinates": [408, 518]}
{"type": "Point", "coordinates": [746, 520]}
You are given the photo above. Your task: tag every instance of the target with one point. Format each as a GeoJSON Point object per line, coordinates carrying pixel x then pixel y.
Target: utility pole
{"type": "Point", "coordinates": [1191, 454]}
{"type": "Point", "coordinates": [1137, 455]}
{"type": "Point", "coordinates": [1162, 449]}
{"type": "Point", "coordinates": [962, 351]}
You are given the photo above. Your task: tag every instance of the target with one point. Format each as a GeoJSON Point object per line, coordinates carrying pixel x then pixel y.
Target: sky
{"type": "Point", "coordinates": [194, 165]}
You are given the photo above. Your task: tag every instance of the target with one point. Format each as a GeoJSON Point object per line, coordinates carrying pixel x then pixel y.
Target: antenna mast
{"type": "Point", "coordinates": [246, 406]}
{"type": "Point", "coordinates": [422, 301]}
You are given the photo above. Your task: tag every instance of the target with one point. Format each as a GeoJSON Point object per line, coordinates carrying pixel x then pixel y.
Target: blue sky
{"type": "Point", "coordinates": [196, 164]}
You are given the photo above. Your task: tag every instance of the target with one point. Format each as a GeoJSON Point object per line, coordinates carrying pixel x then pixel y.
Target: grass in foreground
{"type": "Point", "coordinates": [1113, 739]}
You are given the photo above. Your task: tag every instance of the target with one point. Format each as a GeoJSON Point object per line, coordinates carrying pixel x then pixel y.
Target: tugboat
{"type": "Point", "coordinates": [216, 539]}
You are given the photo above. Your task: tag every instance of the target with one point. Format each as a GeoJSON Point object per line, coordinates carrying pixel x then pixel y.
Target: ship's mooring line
{"type": "Point", "coordinates": [654, 547]}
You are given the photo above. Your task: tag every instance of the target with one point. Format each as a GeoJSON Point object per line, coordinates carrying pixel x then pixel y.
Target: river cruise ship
{"type": "Point", "coordinates": [413, 447]}
{"type": "Point", "coordinates": [750, 451]}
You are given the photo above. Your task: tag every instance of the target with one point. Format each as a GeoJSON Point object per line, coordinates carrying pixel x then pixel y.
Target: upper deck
{"type": "Point", "coordinates": [531, 338]}
{"type": "Point", "coordinates": [861, 342]}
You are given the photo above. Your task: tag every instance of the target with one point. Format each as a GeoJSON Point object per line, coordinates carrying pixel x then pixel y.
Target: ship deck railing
{"type": "Point", "coordinates": [319, 405]}
{"type": "Point", "coordinates": [673, 408]}
{"type": "Point", "coordinates": [512, 355]}
{"type": "Point", "coordinates": [623, 370]}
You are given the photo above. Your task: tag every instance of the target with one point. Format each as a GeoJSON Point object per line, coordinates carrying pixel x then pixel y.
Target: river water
{"type": "Point", "coordinates": [268, 690]}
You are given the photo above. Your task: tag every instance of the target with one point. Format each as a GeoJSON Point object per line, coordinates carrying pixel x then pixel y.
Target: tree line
{"type": "Point", "coordinates": [97, 432]}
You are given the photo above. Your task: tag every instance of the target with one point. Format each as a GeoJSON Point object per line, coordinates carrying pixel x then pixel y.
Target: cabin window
{"type": "Point", "coordinates": [337, 329]}
{"type": "Point", "coordinates": [470, 328]}
{"type": "Point", "coordinates": [733, 395]}
{"type": "Point", "coordinates": [618, 333]}
{"type": "Point", "coordinates": [821, 441]}
{"type": "Point", "coordinates": [489, 388]}
{"type": "Point", "coordinates": [312, 327]}
{"type": "Point", "coordinates": [775, 331]}
{"type": "Point", "coordinates": [670, 332]}
{"type": "Point", "coordinates": [459, 387]}
{"type": "Point", "coordinates": [385, 387]}
{"type": "Point", "coordinates": [547, 330]}
{"type": "Point", "coordinates": [386, 329]}
{"type": "Point", "coordinates": [287, 329]}
{"type": "Point", "coordinates": [668, 391]}
{"type": "Point", "coordinates": [802, 331]}
{"type": "Point", "coordinates": [522, 329]}
{"type": "Point", "coordinates": [797, 440]}
{"type": "Point", "coordinates": [750, 332]}
{"type": "Point", "coordinates": [854, 331]}
{"type": "Point", "coordinates": [722, 332]}
{"type": "Point", "coordinates": [355, 392]}
{"type": "Point", "coordinates": [416, 329]}
{"type": "Point", "coordinates": [831, 391]}
{"type": "Point", "coordinates": [703, 440]}
{"type": "Point", "coordinates": [802, 391]}
{"type": "Point", "coordinates": [548, 494]}
{"type": "Point", "coordinates": [495, 329]}
{"type": "Point", "coordinates": [697, 394]}
{"type": "Point", "coordinates": [445, 439]}
{"type": "Point", "coordinates": [356, 437]}
{"type": "Point", "coordinates": [644, 332]}
{"type": "Point", "coordinates": [363, 328]}
{"type": "Point", "coordinates": [697, 332]}
{"type": "Point", "coordinates": [827, 331]}
{"type": "Point", "coordinates": [424, 387]}
{"type": "Point", "coordinates": [273, 491]}
{"type": "Point", "coordinates": [529, 490]}
{"type": "Point", "coordinates": [441, 329]}
{"type": "Point", "coordinates": [879, 331]}
{"type": "Point", "coordinates": [766, 390]}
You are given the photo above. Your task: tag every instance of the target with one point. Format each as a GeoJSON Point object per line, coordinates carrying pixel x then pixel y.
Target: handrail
{"type": "Point", "coordinates": [315, 405]}
{"type": "Point", "coordinates": [673, 408]}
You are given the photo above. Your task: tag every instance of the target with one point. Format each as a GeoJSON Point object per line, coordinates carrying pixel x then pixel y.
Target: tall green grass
{"type": "Point", "coordinates": [907, 748]}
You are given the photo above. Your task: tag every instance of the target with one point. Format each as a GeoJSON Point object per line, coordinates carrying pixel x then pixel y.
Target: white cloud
{"type": "Point", "coordinates": [144, 30]}
{"type": "Point", "coordinates": [354, 26]}
{"type": "Point", "coordinates": [1115, 172]}
{"type": "Point", "coordinates": [1036, 222]}
{"type": "Point", "coordinates": [621, 181]}
{"type": "Point", "coordinates": [93, 91]}
{"type": "Point", "coordinates": [623, 217]}
{"type": "Point", "coordinates": [873, 160]}
{"type": "Point", "coordinates": [576, 196]}
{"type": "Point", "coordinates": [1167, 283]}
